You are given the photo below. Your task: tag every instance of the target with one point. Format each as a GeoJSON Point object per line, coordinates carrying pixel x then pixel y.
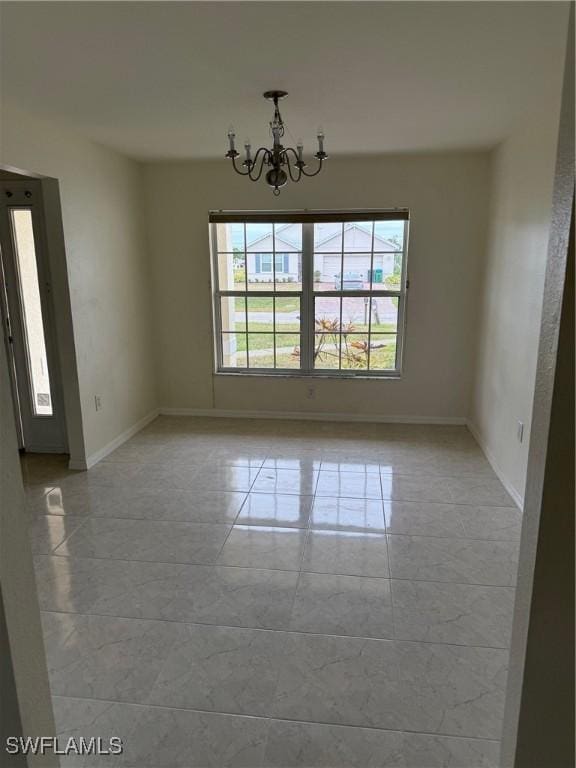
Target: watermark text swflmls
{"type": "Point", "coordinates": [44, 745]}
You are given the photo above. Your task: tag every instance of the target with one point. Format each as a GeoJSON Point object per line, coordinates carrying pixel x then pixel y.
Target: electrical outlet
{"type": "Point", "coordinates": [311, 393]}
{"type": "Point", "coordinates": [520, 431]}
{"type": "Point", "coordinates": [98, 402]}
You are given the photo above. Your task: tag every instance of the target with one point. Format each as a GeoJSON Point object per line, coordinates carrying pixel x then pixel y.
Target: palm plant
{"type": "Point", "coordinates": [328, 332]}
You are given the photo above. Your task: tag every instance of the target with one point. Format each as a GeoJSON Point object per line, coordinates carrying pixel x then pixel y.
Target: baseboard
{"type": "Point", "coordinates": [518, 498]}
{"type": "Point", "coordinates": [46, 449]}
{"type": "Point", "coordinates": [94, 458]}
{"type": "Point", "coordinates": [314, 416]}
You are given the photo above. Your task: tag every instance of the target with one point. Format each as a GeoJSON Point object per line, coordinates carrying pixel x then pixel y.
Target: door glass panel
{"type": "Point", "coordinates": [29, 290]}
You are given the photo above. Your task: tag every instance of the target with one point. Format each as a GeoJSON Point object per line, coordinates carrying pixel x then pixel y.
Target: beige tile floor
{"type": "Point", "coordinates": [278, 594]}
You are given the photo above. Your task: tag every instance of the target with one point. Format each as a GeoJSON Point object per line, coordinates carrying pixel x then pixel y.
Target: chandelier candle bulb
{"type": "Point", "coordinates": [231, 137]}
{"type": "Point", "coordinates": [283, 163]}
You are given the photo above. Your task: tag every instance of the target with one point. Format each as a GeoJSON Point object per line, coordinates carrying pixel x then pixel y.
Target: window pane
{"type": "Point", "coordinates": [231, 261]}
{"type": "Point", "coordinates": [261, 350]}
{"type": "Point", "coordinates": [388, 235]}
{"type": "Point", "coordinates": [260, 270]}
{"type": "Point", "coordinates": [327, 332]}
{"type": "Point", "coordinates": [326, 350]}
{"type": "Point", "coordinates": [260, 314]}
{"type": "Point", "coordinates": [230, 237]}
{"type": "Point", "coordinates": [358, 236]}
{"type": "Point", "coordinates": [355, 313]}
{"type": "Point", "coordinates": [259, 237]}
{"type": "Point", "coordinates": [288, 237]}
{"type": "Point", "coordinates": [384, 315]}
{"type": "Point", "coordinates": [328, 237]}
{"type": "Point", "coordinates": [233, 313]}
{"type": "Point", "coordinates": [234, 350]}
{"type": "Point", "coordinates": [356, 275]}
{"type": "Point", "coordinates": [327, 271]}
{"type": "Point", "coordinates": [289, 271]}
{"type": "Point", "coordinates": [287, 350]}
{"type": "Point", "coordinates": [387, 271]}
{"type": "Point", "coordinates": [326, 314]}
{"type": "Point", "coordinates": [288, 314]}
{"type": "Point", "coordinates": [382, 352]}
{"type": "Point", "coordinates": [231, 271]}
{"type": "Point", "coordinates": [355, 351]}
{"type": "Point", "coordinates": [32, 311]}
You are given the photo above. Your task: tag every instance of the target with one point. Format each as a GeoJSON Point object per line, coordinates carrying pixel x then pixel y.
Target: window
{"type": "Point", "coordinates": [310, 293]}
{"type": "Point", "coordinates": [263, 263]}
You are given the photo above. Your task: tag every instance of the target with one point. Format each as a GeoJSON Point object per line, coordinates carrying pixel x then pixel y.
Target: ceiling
{"type": "Point", "coordinates": [165, 79]}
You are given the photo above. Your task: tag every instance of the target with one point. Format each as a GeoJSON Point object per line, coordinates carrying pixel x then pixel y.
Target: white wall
{"type": "Point", "coordinates": [106, 250]}
{"type": "Point", "coordinates": [447, 197]}
{"type": "Point", "coordinates": [520, 207]}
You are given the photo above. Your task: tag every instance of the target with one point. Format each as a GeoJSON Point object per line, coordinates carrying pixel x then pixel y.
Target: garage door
{"type": "Point", "coordinates": [332, 266]}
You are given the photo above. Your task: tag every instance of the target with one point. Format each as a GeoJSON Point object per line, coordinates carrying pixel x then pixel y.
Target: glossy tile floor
{"type": "Point", "coordinates": [265, 593]}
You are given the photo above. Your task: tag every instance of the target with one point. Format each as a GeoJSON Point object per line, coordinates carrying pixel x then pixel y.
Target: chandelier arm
{"type": "Point", "coordinates": [265, 153]}
{"type": "Point", "coordinates": [285, 153]}
{"type": "Point", "coordinates": [239, 172]}
{"type": "Point", "coordinates": [317, 171]}
{"type": "Point", "coordinates": [248, 172]}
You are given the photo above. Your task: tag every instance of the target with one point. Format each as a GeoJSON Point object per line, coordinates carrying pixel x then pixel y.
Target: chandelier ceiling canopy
{"type": "Point", "coordinates": [282, 162]}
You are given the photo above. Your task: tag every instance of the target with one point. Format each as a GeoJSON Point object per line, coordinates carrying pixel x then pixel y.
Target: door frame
{"type": "Point", "coordinates": [7, 336]}
{"type": "Point", "coordinates": [27, 194]}
{"type": "Point", "coordinates": [538, 727]}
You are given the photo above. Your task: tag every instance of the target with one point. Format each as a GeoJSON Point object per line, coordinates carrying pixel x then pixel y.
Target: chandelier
{"type": "Point", "coordinates": [282, 162]}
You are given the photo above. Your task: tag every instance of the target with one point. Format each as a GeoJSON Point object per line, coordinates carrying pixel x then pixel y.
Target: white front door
{"type": "Point", "coordinates": [28, 319]}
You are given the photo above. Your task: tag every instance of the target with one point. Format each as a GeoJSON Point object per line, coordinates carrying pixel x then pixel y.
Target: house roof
{"type": "Point", "coordinates": [325, 233]}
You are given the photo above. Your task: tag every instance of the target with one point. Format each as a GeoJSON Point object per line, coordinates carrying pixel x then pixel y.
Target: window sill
{"type": "Point", "coordinates": [393, 376]}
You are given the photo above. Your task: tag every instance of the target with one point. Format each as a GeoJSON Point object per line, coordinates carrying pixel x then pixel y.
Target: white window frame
{"type": "Point", "coordinates": [308, 295]}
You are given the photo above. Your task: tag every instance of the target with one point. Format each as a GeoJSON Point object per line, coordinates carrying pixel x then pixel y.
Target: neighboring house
{"type": "Point", "coordinates": [327, 256]}
{"type": "Point", "coordinates": [286, 244]}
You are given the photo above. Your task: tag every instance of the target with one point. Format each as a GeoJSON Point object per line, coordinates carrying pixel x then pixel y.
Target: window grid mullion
{"type": "Point", "coordinates": [246, 297]}
{"type": "Point", "coordinates": [371, 274]}
{"type": "Point", "coordinates": [245, 261]}
{"type": "Point", "coordinates": [307, 308]}
{"type": "Point", "coordinates": [401, 316]}
{"type": "Point", "coordinates": [341, 300]}
{"type": "Point", "coordinates": [274, 297]}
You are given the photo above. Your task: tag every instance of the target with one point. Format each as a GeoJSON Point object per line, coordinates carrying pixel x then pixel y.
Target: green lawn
{"type": "Point", "coordinates": [265, 341]}
{"type": "Point", "coordinates": [264, 304]}
{"type": "Point", "coordinates": [381, 358]}
{"type": "Point", "coordinates": [269, 328]}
